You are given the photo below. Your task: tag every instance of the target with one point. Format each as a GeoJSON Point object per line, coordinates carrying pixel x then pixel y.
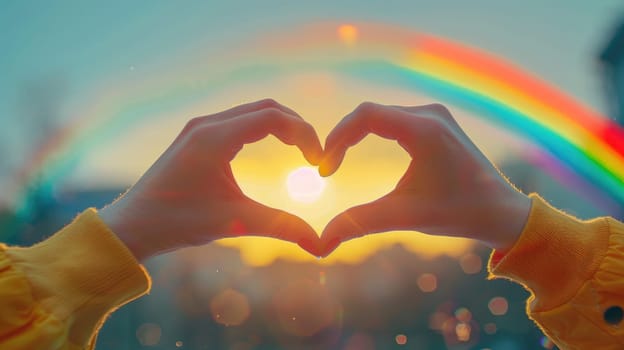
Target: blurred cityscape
{"type": "Point", "coordinates": [208, 298]}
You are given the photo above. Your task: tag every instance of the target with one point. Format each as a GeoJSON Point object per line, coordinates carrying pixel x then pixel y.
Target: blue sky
{"type": "Point", "coordinates": [57, 54]}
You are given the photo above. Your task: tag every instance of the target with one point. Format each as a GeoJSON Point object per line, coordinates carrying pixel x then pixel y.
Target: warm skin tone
{"type": "Point", "coordinates": [189, 196]}
{"type": "Point", "coordinates": [450, 188]}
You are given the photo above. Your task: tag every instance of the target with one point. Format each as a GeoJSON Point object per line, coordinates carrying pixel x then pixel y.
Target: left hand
{"type": "Point", "coordinates": [450, 188]}
{"type": "Point", "coordinates": [189, 196]}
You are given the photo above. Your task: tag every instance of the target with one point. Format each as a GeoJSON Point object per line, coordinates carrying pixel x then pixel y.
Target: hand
{"type": "Point", "coordinates": [189, 196]}
{"type": "Point", "coordinates": [450, 188]}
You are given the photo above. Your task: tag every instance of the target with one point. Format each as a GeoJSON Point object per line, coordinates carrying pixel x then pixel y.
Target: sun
{"type": "Point", "coordinates": [305, 185]}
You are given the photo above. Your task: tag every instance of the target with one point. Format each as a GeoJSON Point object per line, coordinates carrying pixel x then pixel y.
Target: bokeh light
{"type": "Point", "coordinates": [471, 263]}
{"type": "Point", "coordinates": [463, 314]}
{"type": "Point", "coordinates": [498, 306]}
{"type": "Point", "coordinates": [230, 308]}
{"type": "Point", "coordinates": [401, 339]}
{"type": "Point", "coordinates": [427, 282]}
{"type": "Point", "coordinates": [462, 330]}
{"type": "Point", "coordinates": [148, 334]}
{"type": "Point", "coordinates": [348, 33]}
{"type": "Point", "coordinates": [490, 328]}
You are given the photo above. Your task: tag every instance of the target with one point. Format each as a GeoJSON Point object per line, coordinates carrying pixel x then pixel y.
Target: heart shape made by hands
{"type": "Point", "coordinates": [449, 188]}
{"type": "Point", "coordinates": [262, 174]}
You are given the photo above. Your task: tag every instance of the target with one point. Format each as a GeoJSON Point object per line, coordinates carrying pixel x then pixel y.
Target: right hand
{"type": "Point", "coordinates": [450, 188]}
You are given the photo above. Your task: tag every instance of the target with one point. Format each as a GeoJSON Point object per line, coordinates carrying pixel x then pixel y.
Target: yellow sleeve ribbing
{"type": "Point", "coordinates": [574, 270]}
{"type": "Point", "coordinates": [56, 294]}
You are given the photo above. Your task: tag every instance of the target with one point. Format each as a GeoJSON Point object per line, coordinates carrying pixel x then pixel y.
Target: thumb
{"type": "Point", "coordinates": [260, 220]}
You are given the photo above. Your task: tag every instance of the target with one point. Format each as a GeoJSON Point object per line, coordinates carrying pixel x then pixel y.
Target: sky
{"type": "Point", "coordinates": [124, 64]}
{"type": "Point", "coordinates": [60, 57]}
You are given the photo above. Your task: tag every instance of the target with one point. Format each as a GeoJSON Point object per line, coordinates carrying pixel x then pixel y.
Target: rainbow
{"type": "Point", "coordinates": [580, 147]}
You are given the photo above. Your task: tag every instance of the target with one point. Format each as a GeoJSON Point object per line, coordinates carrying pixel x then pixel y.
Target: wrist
{"type": "Point", "coordinates": [507, 221]}
{"type": "Point", "coordinates": [116, 220]}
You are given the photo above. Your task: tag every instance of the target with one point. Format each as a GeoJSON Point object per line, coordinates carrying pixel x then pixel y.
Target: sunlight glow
{"type": "Point", "coordinates": [348, 33]}
{"type": "Point", "coordinates": [305, 185]}
{"type": "Point", "coordinates": [261, 171]}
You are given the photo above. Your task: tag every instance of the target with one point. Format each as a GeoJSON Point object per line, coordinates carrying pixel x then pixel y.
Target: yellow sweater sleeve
{"type": "Point", "coordinates": [575, 272]}
{"type": "Point", "coordinates": [56, 294]}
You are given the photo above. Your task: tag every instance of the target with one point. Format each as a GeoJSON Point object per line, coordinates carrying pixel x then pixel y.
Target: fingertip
{"type": "Point", "coordinates": [313, 161]}
{"type": "Point", "coordinates": [330, 246]}
{"type": "Point", "coordinates": [314, 156]}
{"type": "Point", "coordinates": [341, 228]}
{"type": "Point", "coordinates": [311, 158]}
{"type": "Point", "coordinates": [330, 162]}
{"type": "Point", "coordinates": [310, 145]}
{"type": "Point", "coordinates": [311, 246]}
{"type": "Point", "coordinates": [324, 169]}
{"type": "Point", "coordinates": [275, 223]}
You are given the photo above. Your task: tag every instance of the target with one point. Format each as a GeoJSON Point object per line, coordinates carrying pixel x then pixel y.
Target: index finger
{"type": "Point", "coordinates": [261, 220]}
{"type": "Point", "coordinates": [385, 121]}
{"type": "Point", "coordinates": [291, 130]}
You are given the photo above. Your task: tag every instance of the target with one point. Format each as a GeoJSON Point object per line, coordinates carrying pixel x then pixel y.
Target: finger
{"type": "Point", "coordinates": [244, 109]}
{"type": "Point", "coordinates": [385, 214]}
{"type": "Point", "coordinates": [436, 110]}
{"type": "Point", "coordinates": [251, 127]}
{"type": "Point", "coordinates": [260, 220]}
{"type": "Point", "coordinates": [384, 121]}
{"type": "Point", "coordinates": [252, 107]}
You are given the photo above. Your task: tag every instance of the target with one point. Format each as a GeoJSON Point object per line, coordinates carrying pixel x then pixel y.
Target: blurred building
{"type": "Point", "coordinates": [612, 59]}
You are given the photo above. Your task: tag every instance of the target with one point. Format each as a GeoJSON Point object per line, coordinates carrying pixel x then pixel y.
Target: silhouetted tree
{"type": "Point", "coordinates": [612, 59]}
{"type": "Point", "coordinates": [38, 116]}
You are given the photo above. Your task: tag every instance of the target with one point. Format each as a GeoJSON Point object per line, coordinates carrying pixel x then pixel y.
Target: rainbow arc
{"type": "Point", "coordinates": [586, 144]}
